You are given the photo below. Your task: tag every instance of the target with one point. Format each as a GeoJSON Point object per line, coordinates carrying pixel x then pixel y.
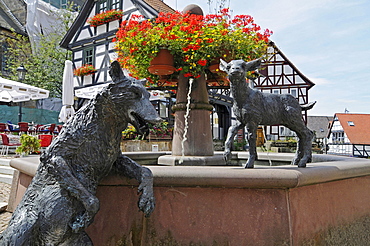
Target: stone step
{"type": "Point", "coordinates": [4, 161]}
{"type": "Point", "coordinates": [6, 170]}
{"type": "Point", "coordinates": [6, 178]}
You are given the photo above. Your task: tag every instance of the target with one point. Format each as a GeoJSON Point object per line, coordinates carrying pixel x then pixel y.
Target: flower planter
{"type": "Point", "coordinates": [167, 80]}
{"type": "Point", "coordinates": [216, 79]}
{"type": "Point", "coordinates": [214, 68]}
{"type": "Point", "coordinates": [162, 64]}
{"type": "Point", "coordinates": [84, 70]}
{"type": "Point", "coordinates": [105, 17]}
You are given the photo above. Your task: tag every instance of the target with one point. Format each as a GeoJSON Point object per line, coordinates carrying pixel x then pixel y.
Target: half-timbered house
{"type": "Point", "coordinates": [349, 135]}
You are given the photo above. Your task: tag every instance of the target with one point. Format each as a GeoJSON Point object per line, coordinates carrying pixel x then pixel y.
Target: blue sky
{"type": "Point", "coordinates": [327, 40]}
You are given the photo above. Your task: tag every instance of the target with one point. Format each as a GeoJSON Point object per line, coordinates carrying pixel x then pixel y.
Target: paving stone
{"type": "Point", "coordinates": [4, 197]}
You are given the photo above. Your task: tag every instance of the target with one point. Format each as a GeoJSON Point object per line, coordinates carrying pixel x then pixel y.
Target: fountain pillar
{"type": "Point", "coordinates": [197, 149]}
{"type": "Point", "coordinates": [199, 136]}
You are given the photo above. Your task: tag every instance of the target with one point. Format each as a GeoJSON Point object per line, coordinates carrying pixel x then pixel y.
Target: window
{"type": "Point", "coordinates": [104, 5]}
{"type": "Point", "coordinates": [88, 56]}
{"type": "Point", "coordinates": [293, 92]}
{"type": "Point", "coordinates": [115, 4]}
{"type": "Point", "coordinates": [60, 4]}
{"type": "Point", "coordinates": [282, 131]}
{"type": "Point", "coordinates": [351, 123]}
{"type": "Point", "coordinates": [338, 137]}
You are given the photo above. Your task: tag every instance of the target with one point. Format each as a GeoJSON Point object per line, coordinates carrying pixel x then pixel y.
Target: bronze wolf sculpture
{"type": "Point", "coordinates": [252, 108]}
{"type": "Point", "coordinates": [60, 202]}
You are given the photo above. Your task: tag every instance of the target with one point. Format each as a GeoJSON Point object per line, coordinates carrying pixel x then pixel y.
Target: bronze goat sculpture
{"type": "Point", "coordinates": [253, 108]}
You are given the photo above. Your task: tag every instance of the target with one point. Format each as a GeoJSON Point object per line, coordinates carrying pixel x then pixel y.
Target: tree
{"type": "Point", "coordinates": [44, 61]}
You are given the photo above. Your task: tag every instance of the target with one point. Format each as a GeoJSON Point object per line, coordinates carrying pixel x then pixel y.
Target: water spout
{"type": "Point", "coordinates": [186, 126]}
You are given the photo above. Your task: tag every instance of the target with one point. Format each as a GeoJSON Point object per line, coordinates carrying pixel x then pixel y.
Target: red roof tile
{"type": "Point", "coordinates": [359, 132]}
{"type": "Point", "coordinates": [160, 6]}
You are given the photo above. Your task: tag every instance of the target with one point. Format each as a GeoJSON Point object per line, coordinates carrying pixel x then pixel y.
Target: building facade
{"type": "Point", "coordinates": [349, 135]}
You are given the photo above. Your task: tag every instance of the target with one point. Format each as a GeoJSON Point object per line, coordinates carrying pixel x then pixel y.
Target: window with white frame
{"type": "Point", "coordinates": [351, 123]}
{"type": "Point", "coordinates": [104, 5]}
{"type": "Point", "coordinates": [88, 56]}
{"type": "Point", "coordinates": [338, 137]}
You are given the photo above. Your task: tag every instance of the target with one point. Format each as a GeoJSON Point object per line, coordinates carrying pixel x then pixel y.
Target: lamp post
{"type": "Point", "coordinates": [21, 71]}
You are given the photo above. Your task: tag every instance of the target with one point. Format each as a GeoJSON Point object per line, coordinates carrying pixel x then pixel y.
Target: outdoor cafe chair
{"type": "Point", "coordinates": [3, 127]}
{"type": "Point", "coordinates": [45, 140]}
{"type": "Point", "coordinates": [47, 129]}
{"type": "Point", "coordinates": [6, 144]}
{"type": "Point", "coordinates": [23, 127]}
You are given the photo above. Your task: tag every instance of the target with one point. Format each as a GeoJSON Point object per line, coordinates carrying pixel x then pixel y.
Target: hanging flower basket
{"type": "Point", "coordinates": [105, 17]}
{"type": "Point", "coordinates": [194, 41]}
{"type": "Point", "coordinates": [214, 66]}
{"type": "Point", "coordinates": [162, 64]}
{"type": "Point", "coordinates": [84, 70]}
{"type": "Point", "coordinates": [217, 80]}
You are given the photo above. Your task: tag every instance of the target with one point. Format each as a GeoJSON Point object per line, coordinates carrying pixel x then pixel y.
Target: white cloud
{"type": "Point", "coordinates": [321, 81]}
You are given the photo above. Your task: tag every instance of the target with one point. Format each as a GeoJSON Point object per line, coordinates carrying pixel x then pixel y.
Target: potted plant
{"type": "Point", "coordinates": [84, 70]}
{"type": "Point", "coordinates": [195, 41]}
{"type": "Point", "coordinates": [161, 131]}
{"type": "Point", "coordinates": [29, 145]}
{"type": "Point", "coordinates": [105, 17]}
{"type": "Point", "coordinates": [158, 131]}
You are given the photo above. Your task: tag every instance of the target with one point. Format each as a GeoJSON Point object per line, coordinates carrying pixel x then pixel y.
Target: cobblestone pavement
{"type": "Point", "coordinates": [4, 196]}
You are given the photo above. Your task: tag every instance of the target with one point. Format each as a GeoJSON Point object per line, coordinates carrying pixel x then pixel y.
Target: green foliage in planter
{"type": "Point", "coordinates": [160, 130]}
{"type": "Point", "coordinates": [239, 145]}
{"type": "Point", "coordinates": [29, 144]}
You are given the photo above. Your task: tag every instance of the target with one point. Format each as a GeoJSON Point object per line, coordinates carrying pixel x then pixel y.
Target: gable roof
{"type": "Point", "coordinates": [13, 16]}
{"type": "Point", "coordinates": [79, 21]}
{"type": "Point", "coordinates": [319, 124]}
{"type": "Point", "coordinates": [359, 132]}
{"type": "Point", "coordinates": [308, 82]}
{"type": "Point", "coordinates": [160, 6]}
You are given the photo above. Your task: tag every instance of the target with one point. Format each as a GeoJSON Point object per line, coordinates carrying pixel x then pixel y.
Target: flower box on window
{"type": "Point", "coordinates": [84, 70]}
{"type": "Point", "coordinates": [105, 17]}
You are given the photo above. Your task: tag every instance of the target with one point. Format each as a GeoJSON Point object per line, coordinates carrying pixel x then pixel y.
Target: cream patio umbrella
{"type": "Point", "coordinates": [12, 91]}
{"type": "Point", "coordinates": [67, 110]}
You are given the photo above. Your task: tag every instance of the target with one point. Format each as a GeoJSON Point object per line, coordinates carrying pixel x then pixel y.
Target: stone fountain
{"type": "Point", "coordinates": [192, 116]}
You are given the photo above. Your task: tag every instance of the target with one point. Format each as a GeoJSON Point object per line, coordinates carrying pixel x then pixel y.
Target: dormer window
{"type": "Point", "coordinates": [351, 123]}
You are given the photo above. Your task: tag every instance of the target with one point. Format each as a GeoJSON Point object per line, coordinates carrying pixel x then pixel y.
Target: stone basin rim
{"type": "Point", "coordinates": [266, 177]}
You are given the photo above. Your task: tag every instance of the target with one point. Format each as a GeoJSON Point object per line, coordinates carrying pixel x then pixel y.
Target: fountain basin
{"type": "Point", "coordinates": [326, 203]}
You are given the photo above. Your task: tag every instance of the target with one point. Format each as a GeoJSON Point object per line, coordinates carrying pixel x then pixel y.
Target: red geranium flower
{"type": "Point", "coordinates": [202, 62]}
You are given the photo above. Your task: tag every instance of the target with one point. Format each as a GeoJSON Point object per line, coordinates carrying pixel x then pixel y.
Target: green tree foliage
{"type": "Point", "coordinates": [45, 61]}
